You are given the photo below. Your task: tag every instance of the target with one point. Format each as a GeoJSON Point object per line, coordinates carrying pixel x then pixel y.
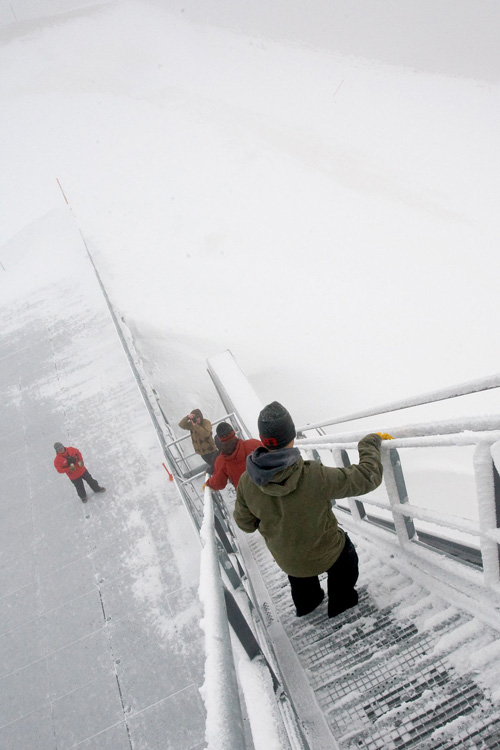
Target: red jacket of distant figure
{"type": "Point", "coordinates": [233, 465]}
{"type": "Point", "coordinates": [63, 466]}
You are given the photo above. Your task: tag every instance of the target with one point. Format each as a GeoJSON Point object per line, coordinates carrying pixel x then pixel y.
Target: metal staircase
{"type": "Point", "coordinates": [415, 664]}
{"type": "Point", "coordinates": [387, 674]}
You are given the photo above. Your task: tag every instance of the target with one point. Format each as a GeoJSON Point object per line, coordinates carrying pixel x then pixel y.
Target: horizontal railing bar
{"type": "Point", "coordinates": [450, 426]}
{"type": "Point", "coordinates": [442, 394]}
{"type": "Point", "coordinates": [413, 511]}
{"type": "Point", "coordinates": [431, 517]}
{"type": "Point", "coordinates": [367, 500]}
{"type": "Point", "coordinates": [179, 440]}
{"type": "Point", "coordinates": [190, 479]}
{"type": "Point", "coordinates": [330, 442]}
{"type": "Point", "coordinates": [185, 457]}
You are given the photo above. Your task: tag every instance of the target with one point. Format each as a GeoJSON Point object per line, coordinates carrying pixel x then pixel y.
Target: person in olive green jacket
{"type": "Point", "coordinates": [289, 501]}
{"type": "Point", "coordinates": [201, 435]}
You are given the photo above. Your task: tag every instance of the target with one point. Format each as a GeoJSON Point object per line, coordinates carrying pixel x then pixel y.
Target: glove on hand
{"type": "Point", "coordinates": [204, 485]}
{"type": "Point", "coordinates": [385, 436]}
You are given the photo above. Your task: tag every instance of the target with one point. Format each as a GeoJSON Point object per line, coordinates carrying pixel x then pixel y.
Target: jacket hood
{"type": "Point", "coordinates": [275, 472]}
{"type": "Point", "coordinates": [228, 447]}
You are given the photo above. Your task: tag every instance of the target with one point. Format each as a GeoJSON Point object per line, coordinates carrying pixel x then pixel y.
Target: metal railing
{"type": "Point", "coordinates": [442, 394]}
{"type": "Point", "coordinates": [405, 516]}
{"type": "Point", "coordinates": [220, 694]}
{"type": "Point", "coordinates": [221, 608]}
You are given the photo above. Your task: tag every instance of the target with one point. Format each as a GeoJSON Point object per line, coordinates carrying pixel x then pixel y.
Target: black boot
{"type": "Point", "coordinates": [338, 607]}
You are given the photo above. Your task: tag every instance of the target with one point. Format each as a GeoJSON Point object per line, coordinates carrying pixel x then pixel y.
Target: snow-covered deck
{"type": "Point", "coordinates": [100, 645]}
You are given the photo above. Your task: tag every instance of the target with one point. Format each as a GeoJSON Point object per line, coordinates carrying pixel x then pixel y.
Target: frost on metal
{"type": "Point", "coordinates": [224, 726]}
{"type": "Point", "coordinates": [487, 513]}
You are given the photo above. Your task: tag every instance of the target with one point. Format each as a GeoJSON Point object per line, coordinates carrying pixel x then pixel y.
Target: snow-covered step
{"type": "Point", "coordinates": [403, 669]}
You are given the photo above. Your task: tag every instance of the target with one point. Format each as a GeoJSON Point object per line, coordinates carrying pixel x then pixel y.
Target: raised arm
{"type": "Point", "coordinates": [359, 478]}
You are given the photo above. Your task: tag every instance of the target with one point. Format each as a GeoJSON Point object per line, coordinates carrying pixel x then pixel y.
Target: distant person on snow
{"type": "Point", "coordinates": [289, 501]}
{"type": "Point", "coordinates": [231, 463]}
{"type": "Point", "coordinates": [201, 435]}
{"type": "Point", "coordinates": [69, 461]}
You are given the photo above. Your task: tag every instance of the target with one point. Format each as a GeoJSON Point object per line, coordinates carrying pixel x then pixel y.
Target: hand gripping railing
{"type": "Point", "coordinates": [487, 482]}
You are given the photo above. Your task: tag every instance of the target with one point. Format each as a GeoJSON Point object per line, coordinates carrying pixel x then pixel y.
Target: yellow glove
{"type": "Point", "coordinates": [204, 485]}
{"type": "Point", "coordinates": [385, 436]}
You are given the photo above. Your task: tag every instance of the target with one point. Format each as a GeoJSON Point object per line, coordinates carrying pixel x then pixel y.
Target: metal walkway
{"type": "Point", "coordinates": [390, 673]}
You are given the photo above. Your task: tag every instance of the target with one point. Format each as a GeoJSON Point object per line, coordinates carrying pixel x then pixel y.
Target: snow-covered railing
{"type": "Point", "coordinates": [442, 394]}
{"type": "Point", "coordinates": [266, 703]}
{"type": "Point", "coordinates": [486, 462]}
{"type": "Point", "coordinates": [224, 725]}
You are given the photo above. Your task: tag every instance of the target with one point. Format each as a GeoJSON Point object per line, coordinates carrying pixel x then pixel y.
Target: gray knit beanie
{"type": "Point", "coordinates": [276, 427]}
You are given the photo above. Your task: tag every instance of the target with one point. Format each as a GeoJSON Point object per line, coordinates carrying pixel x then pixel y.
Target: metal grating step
{"type": "Point", "coordinates": [486, 737]}
{"type": "Point", "coordinates": [386, 681]}
{"type": "Point", "coordinates": [414, 722]}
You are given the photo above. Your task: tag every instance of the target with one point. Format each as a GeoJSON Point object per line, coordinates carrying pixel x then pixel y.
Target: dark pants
{"type": "Point", "coordinates": [90, 481]}
{"type": "Point", "coordinates": [307, 593]}
{"type": "Point", "coordinates": [210, 459]}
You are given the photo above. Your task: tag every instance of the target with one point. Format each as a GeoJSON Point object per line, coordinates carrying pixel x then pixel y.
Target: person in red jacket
{"type": "Point", "coordinates": [232, 461]}
{"type": "Point", "coordinates": [69, 461]}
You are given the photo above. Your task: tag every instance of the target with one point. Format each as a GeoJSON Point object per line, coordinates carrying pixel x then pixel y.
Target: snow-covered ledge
{"type": "Point", "coordinates": [235, 391]}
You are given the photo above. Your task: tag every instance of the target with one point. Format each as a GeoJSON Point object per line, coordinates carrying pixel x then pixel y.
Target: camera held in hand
{"type": "Point", "coordinates": [71, 460]}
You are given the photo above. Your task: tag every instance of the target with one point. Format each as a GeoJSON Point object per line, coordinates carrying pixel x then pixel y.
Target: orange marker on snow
{"type": "Point", "coordinates": [169, 474]}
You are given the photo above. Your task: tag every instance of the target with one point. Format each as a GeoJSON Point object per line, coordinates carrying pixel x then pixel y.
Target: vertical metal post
{"type": "Point", "coordinates": [396, 489]}
{"type": "Point", "coordinates": [484, 471]}
{"type": "Point", "coordinates": [496, 491]}
{"type": "Point", "coordinates": [356, 506]}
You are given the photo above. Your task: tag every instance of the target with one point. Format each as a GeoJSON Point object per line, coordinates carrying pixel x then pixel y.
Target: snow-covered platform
{"type": "Point", "coordinates": [100, 644]}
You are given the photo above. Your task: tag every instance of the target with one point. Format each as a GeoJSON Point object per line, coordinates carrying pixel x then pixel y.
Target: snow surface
{"type": "Point", "coordinates": [99, 629]}
{"type": "Point", "coordinates": [316, 191]}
